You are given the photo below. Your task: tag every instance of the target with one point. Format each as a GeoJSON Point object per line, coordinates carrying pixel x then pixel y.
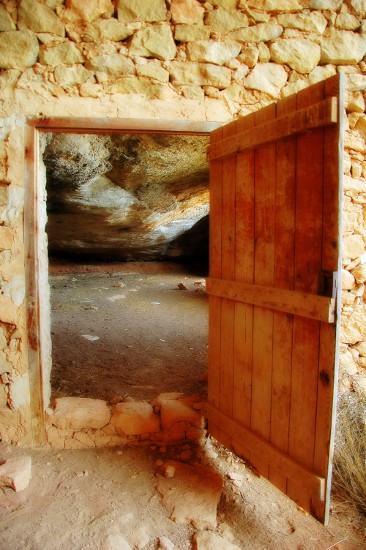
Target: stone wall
{"type": "Point", "coordinates": [172, 60]}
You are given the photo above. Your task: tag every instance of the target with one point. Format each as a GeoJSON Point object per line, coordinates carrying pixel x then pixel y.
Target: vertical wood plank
{"type": "Point", "coordinates": [308, 235]}
{"type": "Point", "coordinates": [32, 276]}
{"type": "Point", "coordinates": [214, 329]}
{"type": "Point", "coordinates": [329, 334]}
{"type": "Point", "coordinates": [244, 271]}
{"type": "Point", "coordinates": [283, 278]}
{"type": "Point", "coordinates": [228, 273]}
{"type": "Point", "coordinates": [265, 173]}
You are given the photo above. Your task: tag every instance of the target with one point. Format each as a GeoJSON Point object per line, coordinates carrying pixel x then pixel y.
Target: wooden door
{"type": "Point", "coordinates": [275, 236]}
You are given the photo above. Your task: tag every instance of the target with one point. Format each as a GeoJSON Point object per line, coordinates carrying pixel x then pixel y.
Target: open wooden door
{"type": "Point", "coordinates": [275, 235]}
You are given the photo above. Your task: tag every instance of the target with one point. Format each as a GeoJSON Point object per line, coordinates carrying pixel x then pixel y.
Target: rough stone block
{"type": "Point", "coordinates": [342, 47]}
{"type": "Point", "coordinates": [257, 33]}
{"type": "Point", "coordinates": [69, 76]}
{"type": "Point", "coordinates": [38, 17]}
{"type": "Point", "coordinates": [353, 246]}
{"type": "Point", "coordinates": [88, 10]}
{"type": "Point", "coordinates": [80, 413]}
{"type": "Point", "coordinates": [16, 473]}
{"type": "Point", "coordinates": [200, 74]}
{"type": "Point", "coordinates": [135, 418]}
{"type": "Point", "coordinates": [174, 411]}
{"type": "Point", "coordinates": [141, 10]}
{"type": "Point", "coordinates": [191, 33]}
{"type": "Point", "coordinates": [213, 52]}
{"type": "Point", "coordinates": [141, 85]}
{"type": "Point", "coordinates": [275, 5]}
{"type": "Point", "coordinates": [111, 66]}
{"type": "Point", "coordinates": [223, 21]}
{"type": "Point", "coordinates": [109, 29]}
{"type": "Point", "coordinates": [300, 54]}
{"type": "Point", "coordinates": [359, 7]}
{"type": "Point", "coordinates": [156, 41]}
{"type": "Point", "coordinates": [267, 77]}
{"type": "Point", "coordinates": [190, 12]}
{"type": "Point", "coordinates": [18, 49]}
{"type": "Point", "coordinates": [61, 54]}
{"type": "Point", "coordinates": [6, 22]}
{"type": "Point", "coordinates": [153, 69]}
{"type": "Point", "coordinates": [309, 22]}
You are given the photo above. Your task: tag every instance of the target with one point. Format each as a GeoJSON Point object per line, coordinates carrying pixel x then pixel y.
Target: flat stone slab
{"type": "Point", "coordinates": [16, 473]}
{"type": "Point", "coordinates": [190, 493]}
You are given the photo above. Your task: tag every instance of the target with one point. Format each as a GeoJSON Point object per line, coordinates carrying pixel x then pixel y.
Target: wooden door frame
{"type": "Point", "coordinates": [36, 258]}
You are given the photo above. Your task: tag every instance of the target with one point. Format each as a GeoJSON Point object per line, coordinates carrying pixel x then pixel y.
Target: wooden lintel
{"type": "Point", "coordinates": [320, 114]}
{"type": "Point", "coordinates": [114, 125]}
{"type": "Point", "coordinates": [277, 459]}
{"type": "Point", "coordinates": [320, 308]}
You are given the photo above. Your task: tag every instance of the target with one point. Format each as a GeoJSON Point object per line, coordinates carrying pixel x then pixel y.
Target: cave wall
{"type": "Point", "coordinates": [175, 60]}
{"type": "Point", "coordinates": [127, 196]}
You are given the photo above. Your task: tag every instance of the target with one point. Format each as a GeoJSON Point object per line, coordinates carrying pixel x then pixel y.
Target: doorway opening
{"type": "Point", "coordinates": [127, 258]}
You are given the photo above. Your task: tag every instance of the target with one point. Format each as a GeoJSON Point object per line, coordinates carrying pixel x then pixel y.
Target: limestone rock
{"type": "Point", "coordinates": [61, 54]}
{"type": "Point", "coordinates": [70, 76]}
{"type": "Point", "coordinates": [353, 246]}
{"type": "Point", "coordinates": [207, 540]}
{"type": "Point", "coordinates": [228, 4]}
{"type": "Point", "coordinates": [249, 55]}
{"type": "Point", "coordinates": [192, 495]}
{"type": "Point", "coordinates": [6, 22]}
{"type": "Point", "coordinates": [190, 12]}
{"type": "Point", "coordinates": [134, 418]}
{"type": "Point", "coordinates": [359, 273]}
{"type": "Point", "coordinates": [275, 5]}
{"type": "Point", "coordinates": [80, 413]}
{"type": "Point", "coordinates": [191, 33]}
{"type": "Point", "coordinates": [88, 10]}
{"type": "Point", "coordinates": [109, 67]}
{"type": "Point", "coordinates": [258, 33]}
{"type": "Point", "coordinates": [361, 348]}
{"type": "Point", "coordinates": [37, 17]}
{"type": "Point", "coordinates": [300, 54]}
{"type": "Point", "coordinates": [213, 52]}
{"type": "Point", "coordinates": [223, 20]}
{"type": "Point", "coordinates": [202, 74]}
{"type": "Point", "coordinates": [342, 47]}
{"type": "Point", "coordinates": [347, 22]}
{"type": "Point", "coordinates": [18, 49]}
{"type": "Point", "coordinates": [348, 280]}
{"type": "Point", "coordinates": [173, 411]}
{"type": "Point", "coordinates": [267, 77]}
{"type": "Point", "coordinates": [141, 10]}
{"type": "Point", "coordinates": [321, 73]}
{"type": "Point", "coordinates": [325, 4]}
{"type": "Point", "coordinates": [156, 41]}
{"type": "Point", "coordinates": [109, 29]}
{"type": "Point", "coordinates": [359, 7]}
{"type": "Point", "coordinates": [153, 69]}
{"type": "Point", "coordinates": [354, 328]}
{"type": "Point", "coordinates": [309, 22]}
{"type": "Point", "coordinates": [16, 473]}
{"type": "Point", "coordinates": [141, 85]}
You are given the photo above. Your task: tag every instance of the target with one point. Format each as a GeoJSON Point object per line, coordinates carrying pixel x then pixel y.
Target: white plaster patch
{"type": "Point", "coordinates": [19, 394]}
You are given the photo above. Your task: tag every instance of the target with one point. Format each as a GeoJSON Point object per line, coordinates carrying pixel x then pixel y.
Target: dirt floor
{"type": "Point", "coordinates": [133, 329]}
{"type": "Point", "coordinates": [106, 499]}
{"type": "Point", "coordinates": [152, 337]}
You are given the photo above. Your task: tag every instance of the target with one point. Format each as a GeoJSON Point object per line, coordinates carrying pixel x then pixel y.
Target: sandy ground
{"type": "Point", "coordinates": [129, 331]}
{"type": "Point", "coordinates": [93, 499]}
